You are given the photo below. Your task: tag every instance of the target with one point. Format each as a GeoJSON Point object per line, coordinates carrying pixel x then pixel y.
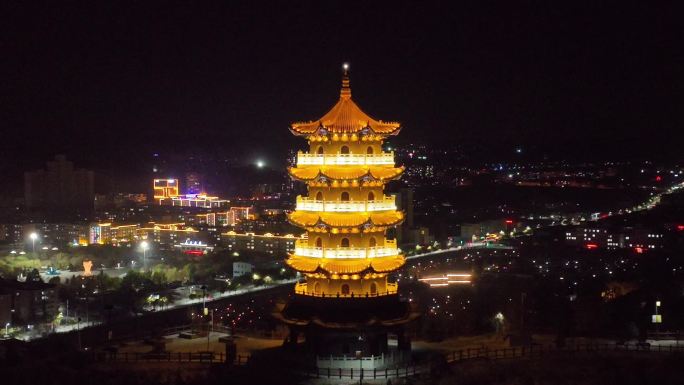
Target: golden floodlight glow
{"type": "Point", "coordinates": [345, 213]}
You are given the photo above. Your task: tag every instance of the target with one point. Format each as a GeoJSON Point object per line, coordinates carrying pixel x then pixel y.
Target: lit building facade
{"type": "Point", "coordinates": [196, 200]}
{"type": "Point", "coordinates": [107, 233]}
{"type": "Point", "coordinates": [49, 234]}
{"type": "Point", "coordinates": [346, 301]}
{"type": "Point", "coordinates": [166, 193]}
{"type": "Point", "coordinates": [242, 268]}
{"type": "Point", "coordinates": [220, 218]}
{"type": "Point", "coordinates": [241, 212]}
{"type": "Point", "coordinates": [165, 188]}
{"type": "Point", "coordinates": [638, 238]}
{"type": "Point", "coordinates": [265, 243]}
{"type": "Point", "coordinates": [171, 234]}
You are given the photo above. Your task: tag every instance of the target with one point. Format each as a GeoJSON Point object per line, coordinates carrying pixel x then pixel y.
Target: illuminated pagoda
{"type": "Point", "coordinates": [346, 306]}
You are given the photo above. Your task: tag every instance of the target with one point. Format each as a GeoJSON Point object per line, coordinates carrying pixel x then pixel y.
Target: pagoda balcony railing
{"type": "Point", "coordinates": [303, 242]}
{"type": "Point", "coordinates": [391, 288]}
{"type": "Point", "coordinates": [346, 252]}
{"type": "Point", "coordinates": [309, 204]}
{"type": "Point", "coordinates": [307, 159]}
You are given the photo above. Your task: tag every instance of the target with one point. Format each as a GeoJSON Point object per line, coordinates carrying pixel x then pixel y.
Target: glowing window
{"type": "Point", "coordinates": [344, 242]}
{"type": "Point", "coordinates": [345, 289]}
{"type": "Point", "coordinates": [319, 196]}
{"type": "Point", "coordinates": [344, 150]}
{"type": "Point", "coordinates": [373, 288]}
{"type": "Point", "coordinates": [344, 197]}
{"type": "Point", "coordinates": [369, 150]}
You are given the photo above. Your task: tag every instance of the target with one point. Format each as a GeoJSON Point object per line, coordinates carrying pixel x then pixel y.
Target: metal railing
{"type": "Point", "coordinates": [391, 371]}
{"type": "Point", "coordinates": [307, 159]}
{"type": "Point", "coordinates": [309, 204]}
{"type": "Point", "coordinates": [347, 252]}
{"type": "Point", "coordinates": [543, 350]}
{"type": "Point", "coordinates": [390, 289]}
{"type": "Point", "coordinates": [172, 357]}
{"type": "Point", "coordinates": [525, 352]}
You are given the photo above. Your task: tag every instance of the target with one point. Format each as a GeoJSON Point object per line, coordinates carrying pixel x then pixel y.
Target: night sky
{"type": "Point", "coordinates": [110, 83]}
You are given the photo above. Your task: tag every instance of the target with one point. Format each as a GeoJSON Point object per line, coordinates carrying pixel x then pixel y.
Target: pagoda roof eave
{"type": "Point", "coordinates": [346, 266]}
{"type": "Point", "coordinates": [390, 173]}
{"type": "Point", "coordinates": [353, 220]}
{"type": "Point", "coordinates": [345, 117]}
{"type": "Point", "coordinates": [319, 130]}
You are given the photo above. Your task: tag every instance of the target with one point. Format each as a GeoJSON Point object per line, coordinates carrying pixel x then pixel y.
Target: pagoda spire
{"type": "Point", "coordinates": [346, 88]}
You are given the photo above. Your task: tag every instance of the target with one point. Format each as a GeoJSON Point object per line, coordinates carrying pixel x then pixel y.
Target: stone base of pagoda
{"type": "Point", "coordinates": [391, 359]}
{"type": "Point", "coordinates": [334, 332]}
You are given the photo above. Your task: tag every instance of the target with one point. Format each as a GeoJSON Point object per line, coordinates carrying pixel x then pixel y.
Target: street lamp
{"type": "Point", "coordinates": [499, 320]}
{"type": "Point", "coordinates": [144, 246]}
{"type": "Point", "coordinates": [657, 318]}
{"type": "Point", "coordinates": [33, 237]}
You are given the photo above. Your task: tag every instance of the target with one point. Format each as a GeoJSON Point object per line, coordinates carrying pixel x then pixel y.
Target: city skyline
{"type": "Point", "coordinates": [191, 195]}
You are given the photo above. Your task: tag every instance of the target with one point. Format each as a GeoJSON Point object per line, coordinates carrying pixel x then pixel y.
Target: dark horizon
{"type": "Point", "coordinates": [108, 85]}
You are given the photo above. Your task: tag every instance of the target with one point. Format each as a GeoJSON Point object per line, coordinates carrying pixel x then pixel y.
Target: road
{"type": "Point", "coordinates": [469, 246]}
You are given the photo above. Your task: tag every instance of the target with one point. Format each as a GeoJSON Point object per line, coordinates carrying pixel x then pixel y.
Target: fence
{"type": "Point", "coordinates": [409, 370]}
{"type": "Point", "coordinates": [177, 357]}
{"type": "Point", "coordinates": [454, 357]}
{"type": "Point", "coordinates": [366, 363]}
{"type": "Point", "coordinates": [351, 373]}
{"type": "Point", "coordinates": [541, 350]}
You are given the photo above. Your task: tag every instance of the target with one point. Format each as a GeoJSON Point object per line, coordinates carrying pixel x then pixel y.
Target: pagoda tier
{"type": "Point", "coordinates": [346, 213]}
{"type": "Point", "coordinates": [345, 121]}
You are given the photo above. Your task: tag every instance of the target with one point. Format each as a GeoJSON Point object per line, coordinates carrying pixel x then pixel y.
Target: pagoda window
{"type": "Point", "coordinates": [344, 242]}
{"type": "Point", "coordinates": [317, 287]}
{"type": "Point", "coordinates": [371, 196]}
{"type": "Point", "coordinates": [320, 150]}
{"type": "Point", "coordinates": [344, 289]}
{"type": "Point", "coordinates": [319, 196]}
{"type": "Point", "coordinates": [369, 150]}
{"type": "Point", "coordinates": [373, 288]}
{"type": "Point", "coordinates": [372, 242]}
{"type": "Point", "coordinates": [344, 197]}
{"type": "Point", "coordinates": [319, 242]}
{"type": "Point", "coordinates": [344, 150]}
